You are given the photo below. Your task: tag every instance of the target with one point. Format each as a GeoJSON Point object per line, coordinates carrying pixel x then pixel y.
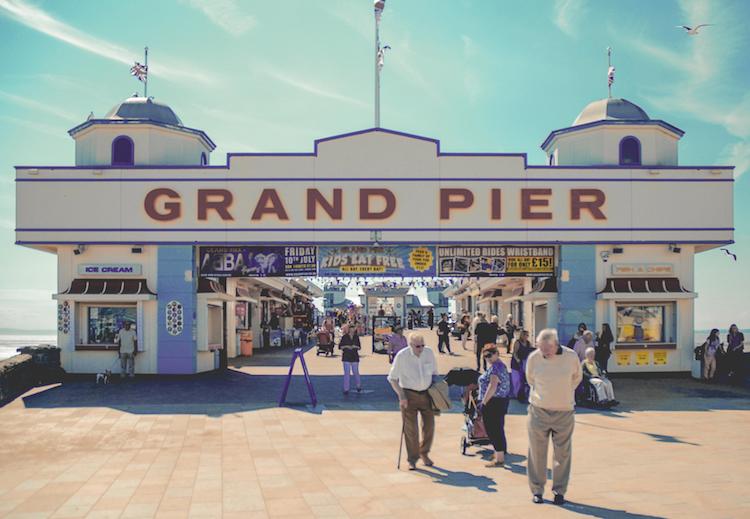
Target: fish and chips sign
{"type": "Point", "coordinates": [496, 261]}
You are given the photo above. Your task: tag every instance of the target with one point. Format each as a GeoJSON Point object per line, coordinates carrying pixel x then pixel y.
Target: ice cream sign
{"type": "Point", "coordinates": [109, 269]}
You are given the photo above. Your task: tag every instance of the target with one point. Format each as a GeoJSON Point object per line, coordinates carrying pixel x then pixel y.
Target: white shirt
{"type": "Point", "coordinates": [126, 338]}
{"type": "Point", "coordinates": [412, 372]}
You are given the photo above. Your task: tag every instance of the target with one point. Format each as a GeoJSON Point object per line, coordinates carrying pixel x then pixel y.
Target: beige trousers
{"type": "Point", "coordinates": [542, 424]}
{"type": "Point", "coordinates": [418, 403]}
{"type": "Point", "coordinates": [709, 366]}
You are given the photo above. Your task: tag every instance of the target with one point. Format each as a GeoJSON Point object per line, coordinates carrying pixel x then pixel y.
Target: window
{"type": "Point", "coordinates": [204, 159]}
{"type": "Point", "coordinates": [645, 323]}
{"type": "Point", "coordinates": [103, 322]}
{"type": "Point", "coordinates": [630, 152]}
{"type": "Point", "coordinates": [122, 151]}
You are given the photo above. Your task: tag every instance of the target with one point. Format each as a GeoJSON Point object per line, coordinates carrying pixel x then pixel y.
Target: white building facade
{"type": "Point", "coordinates": [606, 232]}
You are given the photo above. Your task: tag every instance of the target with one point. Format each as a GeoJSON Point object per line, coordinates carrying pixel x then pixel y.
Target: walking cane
{"type": "Point", "coordinates": [400, 448]}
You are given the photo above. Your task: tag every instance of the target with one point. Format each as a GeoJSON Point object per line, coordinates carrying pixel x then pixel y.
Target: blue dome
{"type": "Point", "coordinates": [610, 109]}
{"type": "Point", "coordinates": [144, 109]}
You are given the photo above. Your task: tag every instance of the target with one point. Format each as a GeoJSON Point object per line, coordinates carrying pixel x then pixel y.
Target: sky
{"type": "Point", "coordinates": [480, 75]}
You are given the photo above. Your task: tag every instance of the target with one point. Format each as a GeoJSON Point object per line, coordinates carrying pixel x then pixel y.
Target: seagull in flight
{"type": "Point", "coordinates": [734, 256]}
{"type": "Point", "coordinates": [692, 31]}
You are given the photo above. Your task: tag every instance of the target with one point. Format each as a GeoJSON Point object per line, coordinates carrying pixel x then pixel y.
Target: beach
{"type": "Point", "coordinates": [9, 343]}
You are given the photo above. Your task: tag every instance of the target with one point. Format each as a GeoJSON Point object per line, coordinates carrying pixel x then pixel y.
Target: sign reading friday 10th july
{"type": "Point", "coordinates": [495, 261]}
{"type": "Point", "coordinates": [388, 260]}
{"type": "Point", "coordinates": [258, 261]}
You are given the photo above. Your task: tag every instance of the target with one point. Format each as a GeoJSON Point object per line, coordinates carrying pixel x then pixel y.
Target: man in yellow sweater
{"type": "Point", "coordinates": [553, 372]}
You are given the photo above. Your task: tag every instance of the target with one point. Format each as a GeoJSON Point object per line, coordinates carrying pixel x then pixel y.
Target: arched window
{"type": "Point", "coordinates": [630, 152]}
{"type": "Point", "coordinates": [204, 159]}
{"type": "Point", "coordinates": [122, 151]}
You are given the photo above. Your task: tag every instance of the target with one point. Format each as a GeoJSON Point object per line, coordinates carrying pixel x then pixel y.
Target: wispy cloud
{"type": "Point", "coordinates": [567, 13]}
{"type": "Point", "coordinates": [310, 87]}
{"type": "Point", "coordinates": [697, 65]}
{"type": "Point", "coordinates": [47, 129]}
{"type": "Point", "coordinates": [42, 107]}
{"type": "Point", "coordinates": [38, 19]}
{"type": "Point", "coordinates": [226, 14]}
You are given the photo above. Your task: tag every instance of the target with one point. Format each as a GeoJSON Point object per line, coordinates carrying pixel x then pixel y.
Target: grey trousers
{"type": "Point", "coordinates": [542, 424]}
{"type": "Point", "coordinates": [127, 364]}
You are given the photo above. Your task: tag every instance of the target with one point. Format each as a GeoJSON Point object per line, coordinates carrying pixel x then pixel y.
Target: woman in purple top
{"type": "Point", "coordinates": [494, 391]}
{"type": "Point", "coordinates": [396, 342]}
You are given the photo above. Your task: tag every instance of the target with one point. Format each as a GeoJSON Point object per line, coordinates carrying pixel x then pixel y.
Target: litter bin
{"type": "Point", "coordinates": [246, 342]}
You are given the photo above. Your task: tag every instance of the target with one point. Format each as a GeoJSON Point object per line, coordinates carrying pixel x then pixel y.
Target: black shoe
{"type": "Point", "coordinates": [412, 465]}
{"type": "Point", "coordinates": [559, 499]}
{"type": "Point", "coordinates": [537, 499]}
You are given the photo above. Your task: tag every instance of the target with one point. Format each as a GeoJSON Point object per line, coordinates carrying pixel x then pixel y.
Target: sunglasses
{"type": "Point", "coordinates": [419, 345]}
{"type": "Point", "coordinates": [489, 355]}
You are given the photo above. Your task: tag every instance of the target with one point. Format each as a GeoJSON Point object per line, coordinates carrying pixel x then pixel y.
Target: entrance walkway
{"type": "Point", "coordinates": [215, 445]}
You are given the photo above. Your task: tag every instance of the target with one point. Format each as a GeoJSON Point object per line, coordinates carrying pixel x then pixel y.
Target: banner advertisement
{"type": "Point", "coordinates": [387, 260]}
{"type": "Point", "coordinates": [495, 261]}
{"type": "Point", "coordinates": [260, 261]}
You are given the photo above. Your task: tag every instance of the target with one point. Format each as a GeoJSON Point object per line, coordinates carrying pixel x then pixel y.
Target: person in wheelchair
{"type": "Point", "coordinates": [596, 384]}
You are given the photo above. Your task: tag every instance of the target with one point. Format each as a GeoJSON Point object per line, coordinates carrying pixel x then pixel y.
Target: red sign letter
{"type": "Point", "coordinates": [172, 210]}
{"type": "Point", "coordinates": [221, 206]}
{"type": "Point", "coordinates": [447, 201]}
{"type": "Point", "coordinates": [334, 210]}
{"type": "Point", "coordinates": [269, 196]}
{"type": "Point", "coordinates": [496, 205]}
{"type": "Point", "coordinates": [364, 204]}
{"type": "Point", "coordinates": [529, 202]}
{"type": "Point", "coordinates": [596, 199]}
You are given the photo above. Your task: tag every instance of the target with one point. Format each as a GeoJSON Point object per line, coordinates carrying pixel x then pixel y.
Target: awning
{"type": "Point", "coordinates": [649, 288]}
{"type": "Point", "coordinates": [107, 289]}
{"type": "Point", "coordinates": [215, 288]}
{"type": "Point", "coordinates": [243, 294]}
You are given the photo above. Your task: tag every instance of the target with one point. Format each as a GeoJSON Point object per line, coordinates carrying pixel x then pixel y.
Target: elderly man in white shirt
{"type": "Point", "coordinates": [412, 373]}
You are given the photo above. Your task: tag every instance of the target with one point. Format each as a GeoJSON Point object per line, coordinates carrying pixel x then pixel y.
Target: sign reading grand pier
{"type": "Point", "coordinates": [376, 180]}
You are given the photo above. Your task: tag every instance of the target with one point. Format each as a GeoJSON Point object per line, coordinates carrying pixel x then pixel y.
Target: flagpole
{"type": "Point", "coordinates": [377, 68]}
{"type": "Point", "coordinates": [609, 67]}
{"type": "Point", "coordinates": [145, 83]}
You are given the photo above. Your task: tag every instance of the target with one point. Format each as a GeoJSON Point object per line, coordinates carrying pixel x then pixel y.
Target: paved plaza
{"type": "Point", "coordinates": [217, 445]}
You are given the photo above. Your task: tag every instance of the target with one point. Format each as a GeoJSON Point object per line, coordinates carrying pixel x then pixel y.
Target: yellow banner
{"type": "Point", "coordinates": [660, 358]}
{"type": "Point", "coordinates": [641, 358]}
{"type": "Point", "coordinates": [623, 358]}
{"type": "Point", "coordinates": [530, 264]}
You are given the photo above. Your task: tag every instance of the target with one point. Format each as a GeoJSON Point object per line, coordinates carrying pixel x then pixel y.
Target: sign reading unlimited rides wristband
{"type": "Point", "coordinates": [397, 260]}
{"type": "Point", "coordinates": [495, 261]}
{"type": "Point", "coordinates": [258, 261]}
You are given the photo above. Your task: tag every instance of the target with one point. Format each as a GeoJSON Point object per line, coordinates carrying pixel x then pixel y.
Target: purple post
{"type": "Point", "coordinates": [298, 354]}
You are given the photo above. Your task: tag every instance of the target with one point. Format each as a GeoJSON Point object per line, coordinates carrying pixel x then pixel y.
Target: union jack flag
{"type": "Point", "coordinates": [140, 71]}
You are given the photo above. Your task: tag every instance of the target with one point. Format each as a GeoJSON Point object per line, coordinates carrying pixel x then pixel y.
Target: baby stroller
{"type": "Point", "coordinates": [474, 426]}
{"type": "Point", "coordinates": [325, 343]}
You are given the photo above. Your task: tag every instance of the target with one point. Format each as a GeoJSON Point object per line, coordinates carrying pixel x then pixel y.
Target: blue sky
{"type": "Point", "coordinates": [273, 76]}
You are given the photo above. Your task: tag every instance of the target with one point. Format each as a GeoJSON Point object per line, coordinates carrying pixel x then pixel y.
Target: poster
{"type": "Point", "coordinates": [387, 260]}
{"type": "Point", "coordinates": [660, 358]}
{"type": "Point", "coordinates": [641, 358]}
{"type": "Point", "coordinates": [260, 261]}
{"type": "Point", "coordinates": [495, 261]}
{"type": "Point", "coordinates": [623, 358]}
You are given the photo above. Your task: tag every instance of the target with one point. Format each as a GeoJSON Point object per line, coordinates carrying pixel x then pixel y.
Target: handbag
{"type": "Point", "coordinates": [700, 351]}
{"type": "Point", "coordinates": [439, 396]}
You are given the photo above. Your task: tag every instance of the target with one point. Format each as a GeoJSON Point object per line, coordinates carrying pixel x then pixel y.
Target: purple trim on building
{"type": "Point", "coordinates": [650, 122]}
{"type": "Point", "coordinates": [397, 229]}
{"type": "Point", "coordinates": [375, 179]}
{"type": "Point", "coordinates": [389, 242]}
{"type": "Point", "coordinates": [439, 153]}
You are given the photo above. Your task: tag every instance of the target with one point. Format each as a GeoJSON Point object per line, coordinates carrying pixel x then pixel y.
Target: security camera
{"type": "Point", "coordinates": [604, 255]}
